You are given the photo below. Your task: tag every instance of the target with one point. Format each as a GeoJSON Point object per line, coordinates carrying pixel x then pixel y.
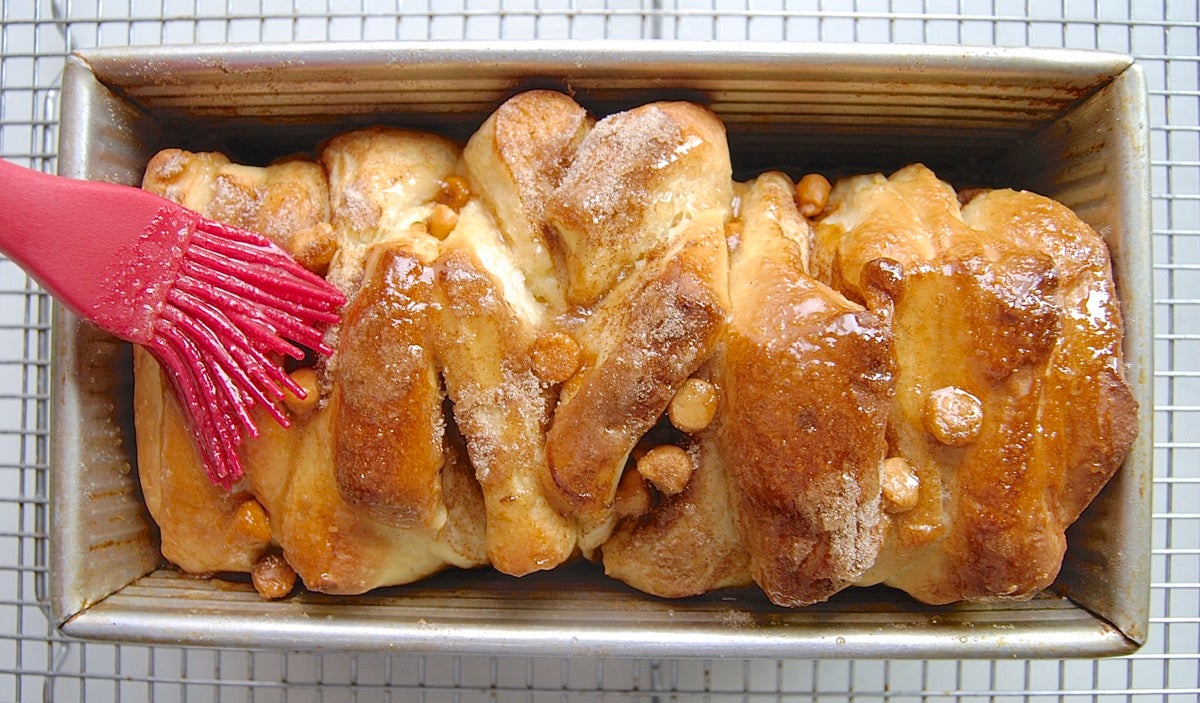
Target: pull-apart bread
{"type": "Point", "coordinates": [573, 337]}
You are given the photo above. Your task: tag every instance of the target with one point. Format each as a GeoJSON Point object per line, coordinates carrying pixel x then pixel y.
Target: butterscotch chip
{"type": "Point", "coordinates": [953, 416]}
{"type": "Point", "coordinates": [668, 467]}
{"type": "Point", "coordinates": [555, 357]}
{"type": "Point", "coordinates": [442, 221]}
{"type": "Point", "coordinates": [633, 496]}
{"type": "Point", "coordinates": [900, 485]}
{"type": "Point", "coordinates": [694, 405]}
{"type": "Point", "coordinates": [812, 194]}
{"type": "Point", "coordinates": [454, 192]}
{"type": "Point", "coordinates": [273, 577]}
{"type": "Point", "coordinates": [306, 378]}
{"type": "Point", "coordinates": [252, 521]}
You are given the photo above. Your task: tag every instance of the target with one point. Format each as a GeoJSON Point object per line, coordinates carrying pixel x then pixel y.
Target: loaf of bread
{"type": "Point", "coordinates": [580, 338]}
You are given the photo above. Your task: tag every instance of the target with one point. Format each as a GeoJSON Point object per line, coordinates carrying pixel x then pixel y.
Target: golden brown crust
{"type": "Point", "coordinates": [516, 158]}
{"type": "Point", "coordinates": [981, 308]}
{"type": "Point", "coordinates": [294, 212]}
{"type": "Point", "coordinates": [648, 337]}
{"type": "Point", "coordinates": [884, 224]}
{"type": "Point", "coordinates": [806, 378]}
{"type": "Point", "coordinates": [382, 181]}
{"type": "Point", "coordinates": [336, 547]}
{"type": "Point", "coordinates": [500, 404]}
{"type": "Point", "coordinates": [203, 528]}
{"type": "Point", "coordinates": [988, 490]}
{"type": "Point", "coordinates": [288, 201]}
{"type": "Point", "coordinates": [1086, 369]}
{"type": "Point", "coordinates": [639, 216]}
{"type": "Point", "coordinates": [387, 396]}
{"type": "Point", "coordinates": [638, 178]}
{"type": "Point", "coordinates": [184, 177]}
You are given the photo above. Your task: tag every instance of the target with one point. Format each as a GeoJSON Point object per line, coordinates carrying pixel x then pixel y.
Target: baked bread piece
{"type": "Point", "coordinates": [338, 547]}
{"type": "Point", "coordinates": [287, 201]}
{"type": "Point", "coordinates": [503, 350]}
{"type": "Point", "coordinates": [468, 319]}
{"type": "Point", "coordinates": [382, 182]}
{"type": "Point", "coordinates": [291, 502]}
{"type": "Point", "coordinates": [641, 215]}
{"type": "Point", "coordinates": [203, 529]}
{"type": "Point", "coordinates": [979, 320]}
{"type": "Point", "coordinates": [785, 482]}
{"type": "Point", "coordinates": [385, 389]}
{"type": "Point", "coordinates": [1087, 413]}
{"type": "Point", "coordinates": [680, 544]}
{"type": "Point", "coordinates": [490, 326]}
{"type": "Point", "coordinates": [806, 380]}
{"type": "Point", "coordinates": [514, 161]}
{"type": "Point", "coordinates": [639, 180]}
{"type": "Point", "coordinates": [386, 394]}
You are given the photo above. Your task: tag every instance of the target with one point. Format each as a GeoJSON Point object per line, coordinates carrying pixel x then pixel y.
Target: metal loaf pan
{"type": "Point", "coordinates": [1068, 124]}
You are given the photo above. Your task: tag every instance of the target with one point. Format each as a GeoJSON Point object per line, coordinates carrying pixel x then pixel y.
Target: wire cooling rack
{"type": "Point", "coordinates": [1164, 35]}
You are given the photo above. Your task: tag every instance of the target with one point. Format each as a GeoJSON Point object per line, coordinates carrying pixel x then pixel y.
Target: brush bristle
{"type": "Point", "coordinates": [238, 301]}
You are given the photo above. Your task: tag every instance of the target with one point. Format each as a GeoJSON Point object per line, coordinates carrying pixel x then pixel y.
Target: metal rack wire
{"type": "Point", "coordinates": [36, 661]}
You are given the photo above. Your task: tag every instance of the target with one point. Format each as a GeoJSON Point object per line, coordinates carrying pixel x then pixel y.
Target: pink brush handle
{"type": "Point", "coordinates": [77, 237]}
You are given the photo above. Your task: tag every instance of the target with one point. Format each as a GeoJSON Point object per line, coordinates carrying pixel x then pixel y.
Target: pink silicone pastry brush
{"type": "Point", "coordinates": [217, 306]}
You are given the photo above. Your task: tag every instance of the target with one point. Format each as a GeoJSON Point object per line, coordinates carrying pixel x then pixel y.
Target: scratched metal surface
{"type": "Point", "coordinates": [1164, 36]}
